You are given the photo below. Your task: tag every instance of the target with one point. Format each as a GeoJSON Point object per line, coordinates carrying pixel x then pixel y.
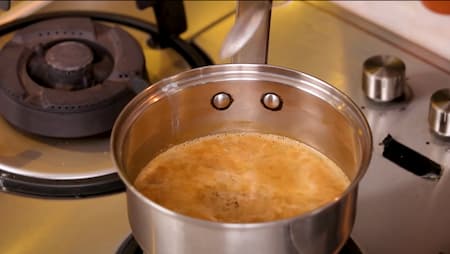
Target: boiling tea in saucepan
{"type": "Point", "coordinates": [241, 178]}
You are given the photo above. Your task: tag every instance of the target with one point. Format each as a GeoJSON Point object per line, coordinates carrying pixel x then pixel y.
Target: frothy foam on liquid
{"type": "Point", "coordinates": [241, 178]}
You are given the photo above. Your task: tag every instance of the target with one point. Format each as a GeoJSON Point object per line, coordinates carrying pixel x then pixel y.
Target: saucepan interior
{"type": "Point", "coordinates": [180, 109]}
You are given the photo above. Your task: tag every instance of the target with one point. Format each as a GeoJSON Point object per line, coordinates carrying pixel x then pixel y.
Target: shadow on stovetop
{"type": "Point", "coordinates": [21, 159]}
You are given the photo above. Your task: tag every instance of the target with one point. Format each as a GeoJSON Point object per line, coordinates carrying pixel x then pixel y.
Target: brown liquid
{"type": "Point", "coordinates": [241, 177]}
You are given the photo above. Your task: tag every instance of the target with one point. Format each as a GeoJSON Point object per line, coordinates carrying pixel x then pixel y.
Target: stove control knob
{"type": "Point", "coordinates": [383, 78]}
{"type": "Point", "coordinates": [439, 113]}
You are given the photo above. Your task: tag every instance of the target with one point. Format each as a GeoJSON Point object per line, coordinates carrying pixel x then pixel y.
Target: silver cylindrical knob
{"type": "Point", "coordinates": [439, 112]}
{"type": "Point", "coordinates": [383, 78]}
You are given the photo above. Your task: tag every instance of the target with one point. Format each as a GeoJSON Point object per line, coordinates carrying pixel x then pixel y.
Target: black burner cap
{"type": "Point", "coordinates": [69, 56]}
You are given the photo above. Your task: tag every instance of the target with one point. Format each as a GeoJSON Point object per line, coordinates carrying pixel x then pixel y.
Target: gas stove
{"type": "Point", "coordinates": [62, 195]}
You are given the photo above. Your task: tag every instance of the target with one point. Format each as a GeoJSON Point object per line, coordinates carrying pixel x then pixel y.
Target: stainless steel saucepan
{"type": "Point", "coordinates": [243, 97]}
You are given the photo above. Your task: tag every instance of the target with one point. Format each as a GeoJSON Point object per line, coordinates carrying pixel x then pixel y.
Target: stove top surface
{"type": "Point", "coordinates": [398, 212]}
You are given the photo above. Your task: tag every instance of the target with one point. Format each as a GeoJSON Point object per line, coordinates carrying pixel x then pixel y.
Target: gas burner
{"type": "Point", "coordinates": [130, 246]}
{"type": "Point", "coordinates": [101, 68]}
{"type": "Point", "coordinates": [68, 77]}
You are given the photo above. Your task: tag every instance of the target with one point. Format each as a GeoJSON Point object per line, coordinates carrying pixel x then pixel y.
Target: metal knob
{"type": "Point", "coordinates": [383, 78]}
{"type": "Point", "coordinates": [439, 112]}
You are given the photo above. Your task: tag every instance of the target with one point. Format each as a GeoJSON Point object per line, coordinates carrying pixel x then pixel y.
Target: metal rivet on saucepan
{"type": "Point", "coordinates": [272, 101]}
{"type": "Point", "coordinates": [221, 101]}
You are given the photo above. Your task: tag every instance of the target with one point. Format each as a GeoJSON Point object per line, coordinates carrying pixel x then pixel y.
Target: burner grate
{"type": "Point", "coordinates": [72, 82]}
{"type": "Point", "coordinates": [130, 246]}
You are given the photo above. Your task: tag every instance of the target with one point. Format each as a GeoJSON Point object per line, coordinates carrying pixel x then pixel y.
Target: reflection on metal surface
{"type": "Point", "coordinates": [35, 156]}
{"type": "Point", "coordinates": [318, 38]}
{"type": "Point", "coordinates": [58, 226]}
{"type": "Point", "coordinates": [383, 35]}
{"type": "Point", "coordinates": [315, 43]}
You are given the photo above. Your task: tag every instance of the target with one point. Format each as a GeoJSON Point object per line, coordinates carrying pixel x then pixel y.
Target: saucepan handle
{"type": "Point", "coordinates": [248, 40]}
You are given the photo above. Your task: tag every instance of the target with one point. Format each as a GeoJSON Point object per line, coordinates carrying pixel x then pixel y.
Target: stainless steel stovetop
{"type": "Point", "coordinates": [398, 212]}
